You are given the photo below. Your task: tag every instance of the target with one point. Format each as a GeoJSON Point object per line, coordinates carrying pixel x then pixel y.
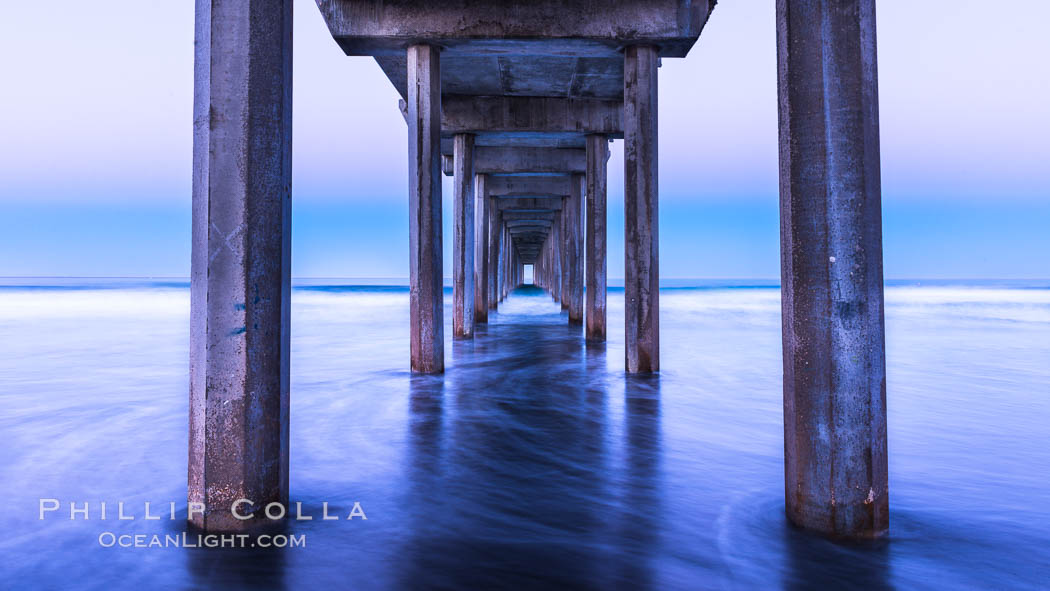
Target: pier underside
{"type": "Point", "coordinates": [517, 102]}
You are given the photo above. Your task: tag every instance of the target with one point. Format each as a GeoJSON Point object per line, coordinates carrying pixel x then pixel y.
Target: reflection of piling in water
{"type": "Point", "coordinates": [640, 524]}
{"type": "Point", "coordinates": [817, 563]}
{"type": "Point", "coordinates": [520, 98]}
{"type": "Point", "coordinates": [509, 499]}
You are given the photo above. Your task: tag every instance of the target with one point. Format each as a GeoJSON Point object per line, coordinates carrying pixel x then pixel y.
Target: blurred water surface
{"type": "Point", "coordinates": [534, 461]}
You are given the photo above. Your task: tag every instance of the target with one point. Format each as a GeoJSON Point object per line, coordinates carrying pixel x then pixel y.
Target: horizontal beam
{"type": "Point", "coordinates": [596, 28]}
{"type": "Point", "coordinates": [511, 160]}
{"type": "Point", "coordinates": [524, 139]}
{"type": "Point", "coordinates": [528, 223]}
{"type": "Point", "coordinates": [489, 114]}
{"type": "Point", "coordinates": [519, 215]}
{"type": "Point", "coordinates": [511, 186]}
{"type": "Point", "coordinates": [529, 204]}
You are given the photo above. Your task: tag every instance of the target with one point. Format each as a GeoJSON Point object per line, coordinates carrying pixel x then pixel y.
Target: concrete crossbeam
{"type": "Point", "coordinates": [516, 160]}
{"type": "Point", "coordinates": [500, 119]}
{"type": "Point", "coordinates": [596, 28]}
{"type": "Point", "coordinates": [521, 186]}
{"type": "Point", "coordinates": [489, 114]}
{"type": "Point", "coordinates": [510, 216]}
{"type": "Point", "coordinates": [528, 204]}
{"type": "Point", "coordinates": [524, 139]}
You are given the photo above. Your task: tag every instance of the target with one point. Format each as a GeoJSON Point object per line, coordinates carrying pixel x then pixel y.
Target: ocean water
{"type": "Point", "coordinates": [533, 462]}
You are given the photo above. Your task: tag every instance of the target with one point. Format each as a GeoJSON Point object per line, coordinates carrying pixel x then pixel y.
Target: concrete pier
{"type": "Point", "coordinates": [463, 237]}
{"type": "Point", "coordinates": [518, 102]}
{"type": "Point", "coordinates": [424, 208]}
{"type": "Point", "coordinates": [481, 249]}
{"type": "Point", "coordinates": [641, 243]}
{"type": "Point", "coordinates": [831, 265]}
{"type": "Point", "coordinates": [595, 237]}
{"type": "Point", "coordinates": [241, 260]}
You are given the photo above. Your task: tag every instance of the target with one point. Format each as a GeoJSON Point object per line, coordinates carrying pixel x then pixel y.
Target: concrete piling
{"type": "Point", "coordinates": [565, 251]}
{"type": "Point", "coordinates": [481, 249]}
{"type": "Point", "coordinates": [495, 222]}
{"type": "Point", "coordinates": [831, 266]}
{"type": "Point", "coordinates": [595, 239]}
{"type": "Point", "coordinates": [424, 208]}
{"type": "Point", "coordinates": [241, 260]}
{"type": "Point", "coordinates": [557, 261]}
{"type": "Point", "coordinates": [463, 237]}
{"type": "Point", "coordinates": [574, 249]}
{"type": "Point", "coordinates": [642, 269]}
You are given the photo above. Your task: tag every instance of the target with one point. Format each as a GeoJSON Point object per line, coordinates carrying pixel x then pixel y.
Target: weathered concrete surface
{"type": "Point", "coordinates": [569, 140]}
{"type": "Point", "coordinates": [507, 262]}
{"type": "Point", "coordinates": [545, 28]}
{"type": "Point", "coordinates": [488, 114]}
{"type": "Point", "coordinates": [528, 204]}
{"type": "Point", "coordinates": [509, 160]}
{"type": "Point", "coordinates": [501, 277]}
{"type": "Point", "coordinates": [481, 249]}
{"type": "Point", "coordinates": [595, 239]}
{"type": "Point", "coordinates": [563, 252]}
{"type": "Point", "coordinates": [524, 74]}
{"type": "Point", "coordinates": [241, 264]}
{"type": "Point", "coordinates": [641, 196]}
{"type": "Point", "coordinates": [495, 224]}
{"type": "Point", "coordinates": [511, 216]}
{"type": "Point", "coordinates": [557, 262]}
{"type": "Point", "coordinates": [831, 266]}
{"type": "Point", "coordinates": [424, 209]}
{"type": "Point", "coordinates": [574, 248]}
{"type": "Point", "coordinates": [527, 186]}
{"type": "Point", "coordinates": [463, 238]}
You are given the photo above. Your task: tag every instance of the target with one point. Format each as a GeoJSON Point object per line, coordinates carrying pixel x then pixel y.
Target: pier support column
{"type": "Point", "coordinates": [831, 269]}
{"type": "Point", "coordinates": [574, 247]}
{"type": "Point", "coordinates": [463, 236]}
{"type": "Point", "coordinates": [557, 262]}
{"type": "Point", "coordinates": [564, 250]}
{"type": "Point", "coordinates": [481, 249]}
{"type": "Point", "coordinates": [495, 223]}
{"type": "Point", "coordinates": [595, 239]}
{"type": "Point", "coordinates": [241, 263]}
{"type": "Point", "coordinates": [641, 241]}
{"type": "Point", "coordinates": [502, 263]}
{"type": "Point", "coordinates": [506, 263]}
{"type": "Point", "coordinates": [424, 208]}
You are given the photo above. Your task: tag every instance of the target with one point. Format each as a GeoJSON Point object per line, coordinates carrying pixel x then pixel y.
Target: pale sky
{"type": "Point", "coordinates": [95, 145]}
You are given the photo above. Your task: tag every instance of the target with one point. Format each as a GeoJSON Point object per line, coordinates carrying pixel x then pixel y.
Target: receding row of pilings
{"type": "Point", "coordinates": [497, 232]}
{"type": "Point", "coordinates": [834, 361]}
{"type": "Point", "coordinates": [529, 212]}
